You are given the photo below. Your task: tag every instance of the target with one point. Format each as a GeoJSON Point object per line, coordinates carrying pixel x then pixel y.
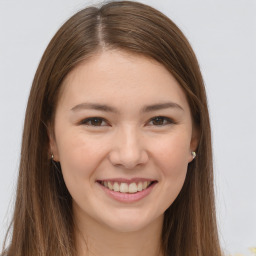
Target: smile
{"type": "Point", "coordinates": [127, 191]}
{"type": "Point", "coordinates": [124, 187]}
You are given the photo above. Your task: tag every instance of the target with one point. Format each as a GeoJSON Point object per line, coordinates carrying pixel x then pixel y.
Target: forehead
{"type": "Point", "coordinates": [122, 79]}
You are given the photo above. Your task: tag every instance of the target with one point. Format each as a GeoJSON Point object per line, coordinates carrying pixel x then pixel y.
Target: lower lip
{"type": "Point", "coordinates": [127, 197]}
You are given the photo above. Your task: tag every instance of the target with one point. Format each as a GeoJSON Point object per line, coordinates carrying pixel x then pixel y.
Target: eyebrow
{"type": "Point", "coordinates": [94, 106]}
{"type": "Point", "coordinates": [145, 109]}
{"type": "Point", "coordinates": [160, 106]}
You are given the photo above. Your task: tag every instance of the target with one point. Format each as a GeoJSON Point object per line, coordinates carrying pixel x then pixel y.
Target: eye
{"type": "Point", "coordinates": [161, 121]}
{"type": "Point", "coordinates": [94, 121]}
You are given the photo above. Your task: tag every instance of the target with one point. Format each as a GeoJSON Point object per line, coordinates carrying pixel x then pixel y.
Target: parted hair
{"type": "Point", "coordinates": [43, 223]}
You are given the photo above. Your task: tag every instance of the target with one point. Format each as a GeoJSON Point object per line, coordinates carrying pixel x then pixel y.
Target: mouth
{"type": "Point", "coordinates": [127, 187]}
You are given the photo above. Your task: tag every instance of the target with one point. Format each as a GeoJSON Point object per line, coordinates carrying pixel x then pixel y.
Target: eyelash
{"type": "Point", "coordinates": [87, 120]}
{"type": "Point", "coordinates": [166, 121]}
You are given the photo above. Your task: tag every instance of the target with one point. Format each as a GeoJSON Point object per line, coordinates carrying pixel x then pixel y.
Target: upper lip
{"type": "Point", "coordinates": [124, 180]}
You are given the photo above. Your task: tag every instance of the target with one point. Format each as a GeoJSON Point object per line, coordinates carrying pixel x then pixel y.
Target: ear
{"type": "Point", "coordinates": [53, 149]}
{"type": "Point", "coordinates": [194, 142]}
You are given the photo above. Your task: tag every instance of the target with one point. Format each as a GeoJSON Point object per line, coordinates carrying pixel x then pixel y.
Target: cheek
{"type": "Point", "coordinates": [172, 161]}
{"type": "Point", "coordinates": [79, 156]}
{"type": "Point", "coordinates": [172, 154]}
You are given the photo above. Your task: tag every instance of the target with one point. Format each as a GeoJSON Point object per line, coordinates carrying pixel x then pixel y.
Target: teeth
{"type": "Point", "coordinates": [109, 185]}
{"type": "Point", "coordinates": [125, 187]}
{"type": "Point", "coordinates": [116, 187]}
{"type": "Point", "coordinates": [140, 186]}
{"type": "Point", "coordinates": [133, 188]}
{"type": "Point", "coordinates": [144, 185]}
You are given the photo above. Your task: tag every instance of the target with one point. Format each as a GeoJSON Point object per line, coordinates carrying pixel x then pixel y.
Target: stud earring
{"type": "Point", "coordinates": [193, 153]}
{"type": "Point", "coordinates": [52, 157]}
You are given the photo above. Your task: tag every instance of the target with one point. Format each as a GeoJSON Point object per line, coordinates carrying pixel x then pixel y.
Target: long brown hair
{"type": "Point", "coordinates": [42, 223]}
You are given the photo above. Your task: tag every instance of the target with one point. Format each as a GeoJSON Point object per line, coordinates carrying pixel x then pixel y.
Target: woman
{"type": "Point", "coordinates": [116, 153]}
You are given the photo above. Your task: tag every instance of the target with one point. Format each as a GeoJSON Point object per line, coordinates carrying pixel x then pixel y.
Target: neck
{"type": "Point", "coordinates": [95, 239]}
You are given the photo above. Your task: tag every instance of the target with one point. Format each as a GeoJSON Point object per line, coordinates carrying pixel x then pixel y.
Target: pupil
{"type": "Point", "coordinates": [96, 121]}
{"type": "Point", "coordinates": [158, 121]}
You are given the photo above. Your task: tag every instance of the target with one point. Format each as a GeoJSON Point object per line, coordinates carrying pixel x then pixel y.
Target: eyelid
{"type": "Point", "coordinates": [89, 119]}
{"type": "Point", "coordinates": [85, 121]}
{"type": "Point", "coordinates": [168, 119]}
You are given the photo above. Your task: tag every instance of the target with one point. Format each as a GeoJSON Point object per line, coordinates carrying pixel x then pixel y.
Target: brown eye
{"type": "Point", "coordinates": [94, 121]}
{"type": "Point", "coordinates": [161, 120]}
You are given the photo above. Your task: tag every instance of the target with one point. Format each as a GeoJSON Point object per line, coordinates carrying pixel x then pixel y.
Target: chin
{"type": "Point", "coordinates": [127, 227]}
{"type": "Point", "coordinates": [132, 222]}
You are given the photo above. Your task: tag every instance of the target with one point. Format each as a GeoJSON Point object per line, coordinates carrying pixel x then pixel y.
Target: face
{"type": "Point", "coordinates": [123, 135]}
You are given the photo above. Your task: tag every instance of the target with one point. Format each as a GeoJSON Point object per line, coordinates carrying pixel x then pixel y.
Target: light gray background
{"type": "Point", "coordinates": [223, 35]}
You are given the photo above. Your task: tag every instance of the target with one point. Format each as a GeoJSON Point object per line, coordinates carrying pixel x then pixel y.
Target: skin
{"type": "Point", "coordinates": [127, 143]}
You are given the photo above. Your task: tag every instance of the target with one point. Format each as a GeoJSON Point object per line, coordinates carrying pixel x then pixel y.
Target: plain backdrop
{"type": "Point", "coordinates": [223, 35]}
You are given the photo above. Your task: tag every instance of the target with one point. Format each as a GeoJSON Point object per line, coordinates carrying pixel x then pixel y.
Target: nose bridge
{"type": "Point", "coordinates": [128, 149]}
{"type": "Point", "coordinates": [130, 141]}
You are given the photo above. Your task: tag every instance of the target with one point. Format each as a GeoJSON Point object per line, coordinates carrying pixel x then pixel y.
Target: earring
{"type": "Point", "coordinates": [52, 157]}
{"type": "Point", "coordinates": [193, 153]}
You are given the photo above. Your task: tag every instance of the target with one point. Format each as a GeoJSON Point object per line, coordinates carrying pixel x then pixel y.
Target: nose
{"type": "Point", "coordinates": [127, 149]}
